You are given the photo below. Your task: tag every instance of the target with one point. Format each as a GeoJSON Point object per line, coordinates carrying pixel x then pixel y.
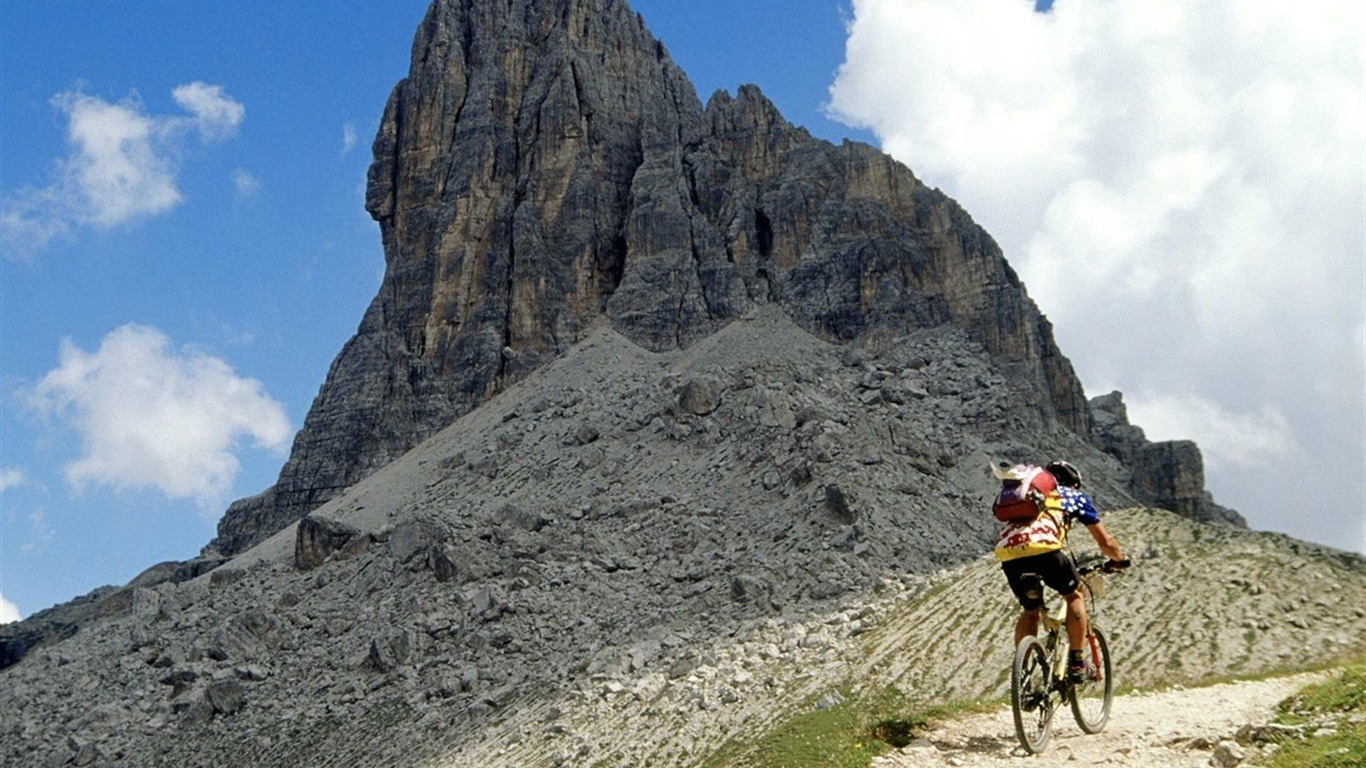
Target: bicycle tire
{"type": "Point", "coordinates": [1031, 695]}
{"type": "Point", "coordinates": [1091, 699]}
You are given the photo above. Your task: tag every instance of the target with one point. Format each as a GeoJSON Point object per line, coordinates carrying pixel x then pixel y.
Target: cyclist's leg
{"type": "Point", "coordinates": [1023, 576]}
{"type": "Point", "coordinates": [1076, 620]}
{"type": "Point", "coordinates": [1060, 574]}
{"type": "Point", "coordinates": [1026, 625]}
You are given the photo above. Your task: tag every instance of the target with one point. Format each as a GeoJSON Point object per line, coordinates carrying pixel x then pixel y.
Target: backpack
{"type": "Point", "coordinates": [1023, 491]}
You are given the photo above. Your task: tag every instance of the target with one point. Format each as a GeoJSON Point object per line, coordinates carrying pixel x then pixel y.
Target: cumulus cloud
{"type": "Point", "coordinates": [121, 165]}
{"type": "Point", "coordinates": [153, 417]}
{"type": "Point", "coordinates": [1250, 440]}
{"type": "Point", "coordinates": [8, 611]}
{"type": "Point", "coordinates": [215, 115]}
{"type": "Point", "coordinates": [1181, 186]}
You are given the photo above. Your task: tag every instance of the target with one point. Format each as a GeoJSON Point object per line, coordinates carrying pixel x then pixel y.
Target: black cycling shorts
{"type": "Point", "coordinates": [1027, 575]}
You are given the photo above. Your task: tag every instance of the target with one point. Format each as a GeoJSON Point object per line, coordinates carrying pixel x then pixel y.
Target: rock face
{"type": "Point", "coordinates": [546, 167]}
{"type": "Point", "coordinates": [1167, 474]}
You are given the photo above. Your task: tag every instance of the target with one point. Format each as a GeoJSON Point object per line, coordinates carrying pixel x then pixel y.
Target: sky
{"type": "Point", "coordinates": [185, 247]}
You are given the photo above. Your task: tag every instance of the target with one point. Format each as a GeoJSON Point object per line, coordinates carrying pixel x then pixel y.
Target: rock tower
{"type": "Point", "coordinates": [546, 167]}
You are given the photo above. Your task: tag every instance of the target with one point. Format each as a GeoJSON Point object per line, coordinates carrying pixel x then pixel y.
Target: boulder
{"type": "Point", "coordinates": [317, 538]}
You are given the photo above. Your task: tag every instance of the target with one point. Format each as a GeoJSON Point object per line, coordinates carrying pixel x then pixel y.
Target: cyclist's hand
{"type": "Point", "coordinates": [1114, 566]}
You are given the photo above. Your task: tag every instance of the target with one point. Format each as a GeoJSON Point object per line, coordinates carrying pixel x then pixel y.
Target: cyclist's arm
{"type": "Point", "coordinates": [1107, 543]}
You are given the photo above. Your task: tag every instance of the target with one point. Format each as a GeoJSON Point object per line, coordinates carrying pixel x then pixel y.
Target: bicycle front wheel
{"type": "Point", "coordinates": [1090, 699]}
{"type": "Point", "coordinates": [1031, 694]}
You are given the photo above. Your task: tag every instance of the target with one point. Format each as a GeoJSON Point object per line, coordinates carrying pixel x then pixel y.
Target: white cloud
{"type": "Point", "coordinates": [348, 137]}
{"type": "Point", "coordinates": [152, 417]}
{"type": "Point", "coordinates": [117, 170]}
{"type": "Point", "coordinates": [8, 611]}
{"type": "Point", "coordinates": [32, 219]}
{"type": "Point", "coordinates": [216, 115]}
{"type": "Point", "coordinates": [1181, 185]}
{"type": "Point", "coordinates": [11, 477]}
{"type": "Point", "coordinates": [1258, 439]}
{"type": "Point", "coordinates": [121, 167]}
{"type": "Point", "coordinates": [246, 183]}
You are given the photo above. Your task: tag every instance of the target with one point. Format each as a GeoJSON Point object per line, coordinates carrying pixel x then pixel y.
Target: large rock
{"type": "Point", "coordinates": [545, 167]}
{"type": "Point", "coordinates": [317, 538]}
{"type": "Point", "coordinates": [1169, 474]}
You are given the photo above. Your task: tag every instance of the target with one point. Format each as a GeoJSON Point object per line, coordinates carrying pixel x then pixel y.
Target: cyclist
{"type": "Point", "coordinates": [1031, 555]}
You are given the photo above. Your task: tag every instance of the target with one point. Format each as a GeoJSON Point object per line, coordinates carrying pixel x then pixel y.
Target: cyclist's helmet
{"type": "Point", "coordinates": [1066, 474]}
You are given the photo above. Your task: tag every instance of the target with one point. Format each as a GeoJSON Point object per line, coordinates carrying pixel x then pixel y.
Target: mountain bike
{"type": "Point", "coordinates": [1038, 678]}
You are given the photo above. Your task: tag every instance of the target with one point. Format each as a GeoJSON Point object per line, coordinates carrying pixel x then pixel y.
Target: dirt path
{"type": "Point", "coordinates": [1177, 729]}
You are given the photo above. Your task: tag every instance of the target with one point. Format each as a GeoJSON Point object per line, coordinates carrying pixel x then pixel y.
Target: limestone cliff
{"type": "Point", "coordinates": [1169, 474]}
{"type": "Point", "coordinates": [545, 167]}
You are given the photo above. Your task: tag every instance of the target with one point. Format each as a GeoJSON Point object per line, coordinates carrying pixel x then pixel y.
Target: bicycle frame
{"type": "Point", "coordinates": [1039, 680]}
{"type": "Point", "coordinates": [1052, 631]}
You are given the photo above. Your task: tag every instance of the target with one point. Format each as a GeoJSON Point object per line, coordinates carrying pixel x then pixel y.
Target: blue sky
{"type": "Point", "coordinates": [181, 187]}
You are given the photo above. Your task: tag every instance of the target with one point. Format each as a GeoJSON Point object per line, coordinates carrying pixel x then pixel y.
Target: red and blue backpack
{"type": "Point", "coordinates": [1024, 488]}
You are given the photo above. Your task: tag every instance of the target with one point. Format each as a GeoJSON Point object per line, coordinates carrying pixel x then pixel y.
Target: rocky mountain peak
{"type": "Point", "coordinates": [1168, 474]}
{"type": "Point", "coordinates": [546, 167]}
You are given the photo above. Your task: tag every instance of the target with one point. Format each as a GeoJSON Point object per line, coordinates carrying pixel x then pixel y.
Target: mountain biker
{"type": "Point", "coordinates": [1031, 555]}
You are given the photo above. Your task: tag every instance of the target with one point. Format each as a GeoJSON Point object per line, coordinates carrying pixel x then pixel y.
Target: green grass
{"type": "Point", "coordinates": [1344, 749]}
{"type": "Point", "coordinates": [847, 735]}
{"type": "Point", "coordinates": [835, 737]}
{"type": "Point", "coordinates": [1335, 703]}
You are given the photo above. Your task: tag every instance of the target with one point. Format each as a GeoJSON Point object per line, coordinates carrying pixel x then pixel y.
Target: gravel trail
{"type": "Point", "coordinates": [1168, 729]}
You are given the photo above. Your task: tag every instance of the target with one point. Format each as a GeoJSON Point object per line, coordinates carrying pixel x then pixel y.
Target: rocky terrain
{"type": "Point", "coordinates": [686, 547]}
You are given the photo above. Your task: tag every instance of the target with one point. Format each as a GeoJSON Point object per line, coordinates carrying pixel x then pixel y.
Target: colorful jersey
{"type": "Point", "coordinates": [1048, 531]}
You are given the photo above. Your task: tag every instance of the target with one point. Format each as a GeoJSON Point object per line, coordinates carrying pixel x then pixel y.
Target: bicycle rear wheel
{"type": "Point", "coordinates": [1031, 694]}
{"type": "Point", "coordinates": [1090, 699]}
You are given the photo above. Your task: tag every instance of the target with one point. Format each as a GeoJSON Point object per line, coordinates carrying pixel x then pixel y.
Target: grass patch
{"type": "Point", "coordinates": [900, 731]}
{"type": "Point", "coordinates": [1345, 692]}
{"type": "Point", "coordinates": [847, 735]}
{"type": "Point", "coordinates": [1333, 714]}
{"type": "Point", "coordinates": [835, 736]}
{"type": "Point", "coordinates": [1342, 749]}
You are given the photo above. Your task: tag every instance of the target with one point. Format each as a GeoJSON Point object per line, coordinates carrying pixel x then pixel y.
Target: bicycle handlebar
{"type": "Point", "coordinates": [1109, 566]}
